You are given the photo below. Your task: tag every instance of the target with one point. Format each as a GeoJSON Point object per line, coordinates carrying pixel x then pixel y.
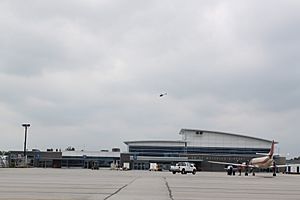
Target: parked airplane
{"type": "Point", "coordinates": [264, 162]}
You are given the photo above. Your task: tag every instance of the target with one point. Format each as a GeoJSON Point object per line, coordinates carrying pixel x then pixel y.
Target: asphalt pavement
{"type": "Point", "coordinates": [84, 184]}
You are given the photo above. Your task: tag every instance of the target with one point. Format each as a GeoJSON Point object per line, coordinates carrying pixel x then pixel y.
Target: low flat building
{"type": "Point", "coordinates": [67, 159]}
{"type": "Point", "coordinates": [88, 159]}
{"type": "Point", "coordinates": [35, 158]}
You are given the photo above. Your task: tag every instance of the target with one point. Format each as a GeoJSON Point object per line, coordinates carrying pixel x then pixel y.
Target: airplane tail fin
{"type": "Point", "coordinates": [271, 152]}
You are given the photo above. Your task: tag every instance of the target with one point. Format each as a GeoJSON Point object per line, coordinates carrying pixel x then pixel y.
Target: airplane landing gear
{"type": "Point", "coordinates": [253, 172]}
{"type": "Point", "coordinates": [246, 171]}
{"type": "Point", "coordinates": [274, 168]}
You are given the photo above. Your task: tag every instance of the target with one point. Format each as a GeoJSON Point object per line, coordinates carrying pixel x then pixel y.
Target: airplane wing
{"type": "Point", "coordinates": [280, 166]}
{"type": "Point", "coordinates": [233, 164]}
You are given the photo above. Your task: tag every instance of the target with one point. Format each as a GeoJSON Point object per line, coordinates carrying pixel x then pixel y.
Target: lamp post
{"type": "Point", "coordinates": [26, 127]}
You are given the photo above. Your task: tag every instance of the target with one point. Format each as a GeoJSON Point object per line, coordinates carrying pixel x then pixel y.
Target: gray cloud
{"type": "Point", "coordinates": [88, 73]}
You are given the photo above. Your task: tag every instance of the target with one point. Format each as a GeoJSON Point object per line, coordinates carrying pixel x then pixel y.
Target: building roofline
{"type": "Point", "coordinates": [224, 133]}
{"type": "Point", "coordinates": [156, 141]}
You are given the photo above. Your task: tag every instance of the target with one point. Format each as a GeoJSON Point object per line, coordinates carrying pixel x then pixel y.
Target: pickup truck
{"type": "Point", "coordinates": [183, 168]}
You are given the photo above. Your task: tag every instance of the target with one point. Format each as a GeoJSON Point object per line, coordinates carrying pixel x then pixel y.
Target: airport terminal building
{"type": "Point", "coordinates": [197, 146]}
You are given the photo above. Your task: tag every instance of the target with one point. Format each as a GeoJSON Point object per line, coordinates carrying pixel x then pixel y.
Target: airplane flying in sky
{"type": "Point", "coordinates": [162, 94]}
{"type": "Point", "coordinates": [264, 162]}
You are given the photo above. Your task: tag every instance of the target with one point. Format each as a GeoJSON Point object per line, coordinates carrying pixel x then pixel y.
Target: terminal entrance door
{"type": "Point", "coordinates": [141, 166]}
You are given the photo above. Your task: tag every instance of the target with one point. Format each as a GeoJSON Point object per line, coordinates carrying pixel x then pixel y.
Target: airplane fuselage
{"type": "Point", "coordinates": [262, 162]}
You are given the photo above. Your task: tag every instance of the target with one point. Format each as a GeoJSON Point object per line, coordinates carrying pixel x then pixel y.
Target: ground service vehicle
{"type": "Point", "coordinates": [183, 168]}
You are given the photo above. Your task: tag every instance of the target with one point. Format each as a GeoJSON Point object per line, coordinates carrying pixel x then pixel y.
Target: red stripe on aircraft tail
{"type": "Point", "coordinates": [272, 149]}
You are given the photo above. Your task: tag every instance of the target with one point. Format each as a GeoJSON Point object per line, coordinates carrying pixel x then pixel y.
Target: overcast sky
{"type": "Point", "coordinates": [89, 73]}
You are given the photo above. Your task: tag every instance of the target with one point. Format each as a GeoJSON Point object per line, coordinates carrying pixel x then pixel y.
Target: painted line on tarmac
{"type": "Point", "coordinates": [169, 189]}
{"type": "Point", "coordinates": [121, 188]}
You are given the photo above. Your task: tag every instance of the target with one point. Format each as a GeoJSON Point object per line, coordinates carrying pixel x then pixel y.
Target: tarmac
{"type": "Point", "coordinates": [84, 184]}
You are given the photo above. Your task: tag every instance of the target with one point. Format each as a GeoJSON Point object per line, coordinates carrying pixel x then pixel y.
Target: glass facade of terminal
{"type": "Point", "coordinates": [176, 151]}
{"type": "Point", "coordinates": [143, 155]}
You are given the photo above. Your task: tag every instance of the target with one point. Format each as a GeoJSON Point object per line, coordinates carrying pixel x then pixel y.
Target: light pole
{"type": "Point", "coordinates": [25, 126]}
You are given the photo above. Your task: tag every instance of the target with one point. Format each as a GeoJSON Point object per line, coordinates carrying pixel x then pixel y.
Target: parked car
{"type": "Point", "coordinates": [183, 168]}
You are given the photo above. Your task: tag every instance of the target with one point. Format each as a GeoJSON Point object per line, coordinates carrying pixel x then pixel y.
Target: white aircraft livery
{"type": "Point", "coordinates": [266, 161]}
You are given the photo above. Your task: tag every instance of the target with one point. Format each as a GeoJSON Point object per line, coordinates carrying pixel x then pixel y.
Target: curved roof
{"type": "Point", "coordinates": [203, 138]}
{"type": "Point", "coordinates": [224, 133]}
